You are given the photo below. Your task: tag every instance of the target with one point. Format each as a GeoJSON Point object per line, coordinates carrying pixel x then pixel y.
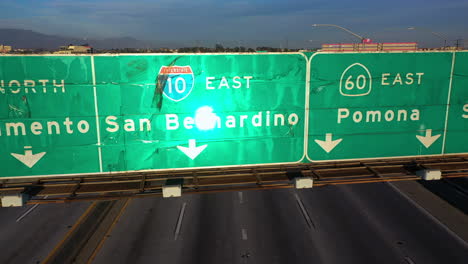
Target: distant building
{"type": "Point", "coordinates": [397, 46]}
{"type": "Point", "coordinates": [167, 50]}
{"type": "Point", "coordinates": [452, 48]}
{"type": "Point", "coordinates": [75, 49]}
{"type": "Point", "coordinates": [5, 49]}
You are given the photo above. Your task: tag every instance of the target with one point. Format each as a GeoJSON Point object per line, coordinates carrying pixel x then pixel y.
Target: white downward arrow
{"type": "Point", "coordinates": [192, 151]}
{"type": "Point", "coordinates": [29, 159]}
{"type": "Point", "coordinates": [428, 140]}
{"type": "Point", "coordinates": [329, 144]}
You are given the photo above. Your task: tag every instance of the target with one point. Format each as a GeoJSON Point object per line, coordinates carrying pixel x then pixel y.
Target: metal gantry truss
{"type": "Point", "coordinates": [142, 184]}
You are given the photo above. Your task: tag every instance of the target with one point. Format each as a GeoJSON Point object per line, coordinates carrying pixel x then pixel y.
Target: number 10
{"type": "Point", "coordinates": [176, 84]}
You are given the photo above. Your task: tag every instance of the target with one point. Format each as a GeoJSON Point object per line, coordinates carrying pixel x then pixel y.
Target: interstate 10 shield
{"type": "Point", "coordinates": [176, 82]}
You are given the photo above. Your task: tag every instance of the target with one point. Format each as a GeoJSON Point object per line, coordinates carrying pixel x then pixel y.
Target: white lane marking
{"type": "Point", "coordinates": [244, 234]}
{"type": "Point", "coordinates": [241, 196]}
{"type": "Point", "coordinates": [28, 211]}
{"type": "Point", "coordinates": [409, 260]}
{"type": "Point", "coordinates": [179, 221]}
{"type": "Point", "coordinates": [304, 211]}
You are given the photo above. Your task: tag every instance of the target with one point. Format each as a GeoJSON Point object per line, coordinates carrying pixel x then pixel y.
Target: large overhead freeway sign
{"type": "Point", "coordinates": [62, 115]}
{"type": "Point", "coordinates": [386, 105]}
{"type": "Point", "coordinates": [72, 115]}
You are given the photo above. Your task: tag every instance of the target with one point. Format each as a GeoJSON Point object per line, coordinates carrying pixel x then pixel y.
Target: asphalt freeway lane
{"type": "Point", "coordinates": [148, 230]}
{"type": "Point", "coordinates": [364, 223]}
{"type": "Point", "coordinates": [30, 233]}
{"type": "Point", "coordinates": [375, 223]}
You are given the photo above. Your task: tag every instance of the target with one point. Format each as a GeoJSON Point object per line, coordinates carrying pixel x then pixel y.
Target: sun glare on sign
{"type": "Point", "coordinates": [205, 119]}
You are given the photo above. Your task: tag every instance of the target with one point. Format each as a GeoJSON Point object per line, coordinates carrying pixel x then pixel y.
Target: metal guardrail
{"type": "Point", "coordinates": [138, 184]}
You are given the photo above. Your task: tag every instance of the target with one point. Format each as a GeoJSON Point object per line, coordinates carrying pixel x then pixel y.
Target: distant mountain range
{"type": "Point", "coordinates": [28, 39]}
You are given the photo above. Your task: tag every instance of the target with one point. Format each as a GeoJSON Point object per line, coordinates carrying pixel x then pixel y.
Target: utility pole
{"type": "Point", "coordinates": [457, 43]}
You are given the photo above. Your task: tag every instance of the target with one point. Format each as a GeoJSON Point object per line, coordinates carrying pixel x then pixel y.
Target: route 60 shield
{"type": "Point", "coordinates": [176, 81]}
{"type": "Point", "coordinates": [356, 80]}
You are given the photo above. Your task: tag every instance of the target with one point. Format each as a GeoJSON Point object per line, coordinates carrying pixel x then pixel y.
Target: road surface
{"type": "Point", "coordinates": [363, 223]}
{"type": "Point", "coordinates": [30, 232]}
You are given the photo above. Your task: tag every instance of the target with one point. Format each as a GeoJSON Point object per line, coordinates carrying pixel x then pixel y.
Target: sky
{"type": "Point", "coordinates": [252, 23]}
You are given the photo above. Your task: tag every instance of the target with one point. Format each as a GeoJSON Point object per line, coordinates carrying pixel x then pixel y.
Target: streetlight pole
{"type": "Point", "coordinates": [433, 33]}
{"type": "Point", "coordinates": [342, 28]}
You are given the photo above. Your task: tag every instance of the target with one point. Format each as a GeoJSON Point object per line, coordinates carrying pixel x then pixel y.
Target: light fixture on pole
{"type": "Point", "coordinates": [433, 33]}
{"type": "Point", "coordinates": [361, 38]}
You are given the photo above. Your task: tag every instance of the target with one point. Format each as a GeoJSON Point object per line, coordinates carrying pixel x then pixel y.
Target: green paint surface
{"type": "Point", "coordinates": [245, 109]}
{"type": "Point", "coordinates": [377, 103]}
{"type": "Point", "coordinates": [457, 127]}
{"type": "Point", "coordinates": [67, 115]}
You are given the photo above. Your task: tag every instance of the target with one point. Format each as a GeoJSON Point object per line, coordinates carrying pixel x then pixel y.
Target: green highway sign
{"type": "Point", "coordinates": [457, 121]}
{"type": "Point", "coordinates": [374, 105]}
{"type": "Point", "coordinates": [91, 114]}
{"type": "Point", "coordinates": [67, 115]}
{"type": "Point", "coordinates": [47, 116]}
